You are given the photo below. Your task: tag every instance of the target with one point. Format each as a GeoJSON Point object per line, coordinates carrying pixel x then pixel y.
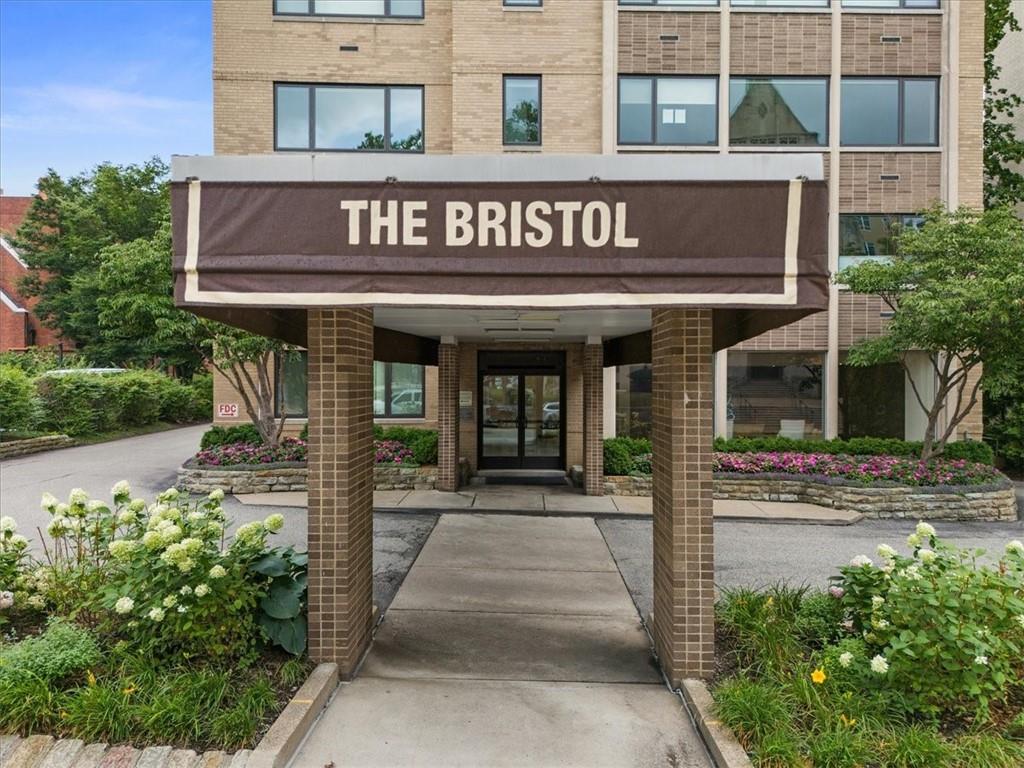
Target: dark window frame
{"type": "Point", "coordinates": [653, 79]}
{"type": "Point", "coordinates": [540, 110]}
{"type": "Point", "coordinates": [742, 5]}
{"type": "Point", "coordinates": [388, 394]}
{"type": "Point", "coordinates": [900, 106]}
{"type": "Point", "coordinates": [802, 147]}
{"type": "Point", "coordinates": [311, 90]}
{"type": "Point", "coordinates": [901, 7]}
{"type": "Point", "coordinates": [521, 3]}
{"type": "Point", "coordinates": [669, 5]}
{"type": "Point", "coordinates": [279, 389]}
{"type": "Point", "coordinates": [310, 5]}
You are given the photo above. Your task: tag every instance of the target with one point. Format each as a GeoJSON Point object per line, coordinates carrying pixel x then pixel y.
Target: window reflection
{"type": "Point", "coordinates": [780, 111]}
{"type": "Point", "coordinates": [775, 394]}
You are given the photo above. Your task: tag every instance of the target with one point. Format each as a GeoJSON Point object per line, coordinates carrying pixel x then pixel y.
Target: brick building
{"type": "Point", "coordinates": [756, 145]}
{"type": "Point", "coordinates": [19, 327]}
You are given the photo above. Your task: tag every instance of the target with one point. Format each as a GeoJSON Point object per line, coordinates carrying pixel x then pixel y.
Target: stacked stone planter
{"type": "Point", "coordinates": [994, 502]}
{"type": "Point", "coordinates": [292, 476]}
{"type": "Point", "coordinates": [10, 449]}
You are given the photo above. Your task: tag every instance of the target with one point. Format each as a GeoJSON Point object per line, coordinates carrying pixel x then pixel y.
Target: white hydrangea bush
{"type": "Point", "coordinates": [16, 588]}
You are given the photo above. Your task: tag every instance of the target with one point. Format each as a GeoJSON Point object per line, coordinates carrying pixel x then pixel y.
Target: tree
{"type": "Point", "coordinates": [68, 225]}
{"type": "Point", "coordinates": [956, 291]}
{"type": "Point", "coordinates": [1003, 149]}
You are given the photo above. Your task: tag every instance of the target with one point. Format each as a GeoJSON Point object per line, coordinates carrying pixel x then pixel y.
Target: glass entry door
{"type": "Point", "coordinates": [521, 415]}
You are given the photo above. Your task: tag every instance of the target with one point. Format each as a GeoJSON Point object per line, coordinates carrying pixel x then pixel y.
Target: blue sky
{"type": "Point", "coordinates": [88, 81]}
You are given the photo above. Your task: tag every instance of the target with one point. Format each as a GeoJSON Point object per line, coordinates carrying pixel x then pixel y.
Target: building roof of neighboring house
{"type": "Point", "coordinates": [12, 211]}
{"type": "Point", "coordinates": [11, 304]}
{"type": "Point", "coordinates": [9, 249]}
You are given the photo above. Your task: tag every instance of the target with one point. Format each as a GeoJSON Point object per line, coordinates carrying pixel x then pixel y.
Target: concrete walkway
{"type": "Point", "coordinates": [563, 500]}
{"type": "Point", "coordinates": [512, 642]}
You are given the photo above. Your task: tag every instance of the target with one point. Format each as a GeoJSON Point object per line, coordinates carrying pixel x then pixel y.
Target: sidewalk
{"type": "Point", "coordinates": [512, 642]}
{"type": "Point", "coordinates": [552, 501]}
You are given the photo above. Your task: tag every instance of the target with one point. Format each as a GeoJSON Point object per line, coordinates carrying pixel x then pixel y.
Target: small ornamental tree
{"type": "Point", "coordinates": [956, 291]}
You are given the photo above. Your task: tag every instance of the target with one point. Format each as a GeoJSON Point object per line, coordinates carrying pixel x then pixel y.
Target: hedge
{"type": "Point", "coordinates": [422, 442]}
{"type": "Point", "coordinates": [218, 436]}
{"type": "Point", "coordinates": [16, 395]}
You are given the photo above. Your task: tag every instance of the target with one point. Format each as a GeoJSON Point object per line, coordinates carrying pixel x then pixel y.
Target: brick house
{"type": "Point", "coordinates": [481, 274]}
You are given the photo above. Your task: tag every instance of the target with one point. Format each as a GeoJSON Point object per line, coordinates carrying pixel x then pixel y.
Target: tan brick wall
{"type": "Point", "coordinates": [862, 191]}
{"type": "Point", "coordinates": [593, 419]}
{"type": "Point", "coordinates": [807, 334]}
{"type": "Point", "coordinates": [684, 589]}
{"type": "Point", "coordinates": [971, 92]}
{"type": "Point", "coordinates": [340, 522]}
{"type": "Point", "coordinates": [919, 51]}
{"type": "Point", "coordinates": [448, 418]}
{"type": "Point", "coordinates": [973, 425]}
{"type": "Point", "coordinates": [696, 52]}
{"type": "Point", "coordinates": [860, 317]}
{"type": "Point", "coordinates": [252, 49]}
{"type": "Point", "coordinates": [780, 44]}
{"type": "Point", "coordinates": [561, 43]}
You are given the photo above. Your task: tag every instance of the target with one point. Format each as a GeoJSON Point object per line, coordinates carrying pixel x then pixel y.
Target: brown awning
{"type": "Point", "coordinates": [258, 253]}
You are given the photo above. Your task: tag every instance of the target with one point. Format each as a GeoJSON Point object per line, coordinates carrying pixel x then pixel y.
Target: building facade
{"type": "Point", "coordinates": [887, 92]}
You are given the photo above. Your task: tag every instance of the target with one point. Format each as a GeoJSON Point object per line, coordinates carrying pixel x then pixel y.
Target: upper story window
{"type": "Point", "coordinates": [668, 110]}
{"type": "Point", "coordinates": [369, 118]}
{"type": "Point", "coordinates": [406, 9]}
{"type": "Point", "coordinates": [668, 3]}
{"type": "Point", "coordinates": [790, 111]}
{"type": "Point", "coordinates": [521, 109]}
{"type": "Point", "coordinates": [397, 390]}
{"type": "Point", "coordinates": [780, 3]}
{"type": "Point", "coordinates": [889, 111]}
{"type": "Point", "coordinates": [871, 236]}
{"type": "Point", "coordinates": [889, 3]}
{"type": "Point", "coordinates": [523, 3]}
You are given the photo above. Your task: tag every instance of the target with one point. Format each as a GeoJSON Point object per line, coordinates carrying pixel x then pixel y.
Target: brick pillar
{"type": "Point", "coordinates": [683, 533]}
{"type": "Point", "coordinates": [593, 419]}
{"type": "Point", "coordinates": [448, 417]}
{"type": "Point", "coordinates": [340, 343]}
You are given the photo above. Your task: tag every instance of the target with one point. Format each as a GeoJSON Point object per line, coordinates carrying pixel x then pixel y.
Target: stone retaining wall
{"type": "Point", "coordinates": [12, 448]}
{"type": "Point", "coordinates": [293, 477]}
{"type": "Point", "coordinates": [881, 502]}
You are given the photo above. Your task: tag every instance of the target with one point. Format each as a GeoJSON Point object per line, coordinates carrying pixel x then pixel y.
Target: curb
{"type": "Point", "coordinates": [720, 741]}
{"type": "Point", "coordinates": [279, 745]}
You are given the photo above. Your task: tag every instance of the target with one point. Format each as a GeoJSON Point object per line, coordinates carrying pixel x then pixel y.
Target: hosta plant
{"type": "Point", "coordinates": [283, 609]}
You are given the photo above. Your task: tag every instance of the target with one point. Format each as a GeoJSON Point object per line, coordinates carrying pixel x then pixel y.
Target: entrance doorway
{"type": "Point", "coordinates": [521, 398]}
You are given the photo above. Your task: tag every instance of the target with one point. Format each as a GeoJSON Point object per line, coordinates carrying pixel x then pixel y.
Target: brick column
{"type": "Point", "coordinates": [683, 533]}
{"type": "Point", "coordinates": [593, 419]}
{"type": "Point", "coordinates": [448, 417]}
{"type": "Point", "coordinates": [340, 343]}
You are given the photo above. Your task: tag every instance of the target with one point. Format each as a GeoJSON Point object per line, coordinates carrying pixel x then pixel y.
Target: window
{"type": "Point", "coordinates": [870, 236]}
{"type": "Point", "coordinates": [348, 118]}
{"type": "Point", "coordinates": [775, 393]}
{"type": "Point", "coordinates": [668, 110]}
{"type": "Point", "coordinates": [388, 8]}
{"type": "Point", "coordinates": [791, 111]}
{"type": "Point", "coordinates": [872, 400]}
{"type": "Point", "coordinates": [668, 3]}
{"type": "Point", "coordinates": [523, 3]}
{"type": "Point", "coordinates": [633, 400]}
{"type": "Point", "coordinates": [521, 108]}
{"type": "Point", "coordinates": [291, 396]}
{"type": "Point", "coordinates": [781, 3]}
{"type": "Point", "coordinates": [889, 111]}
{"type": "Point", "coordinates": [889, 3]}
{"type": "Point", "coordinates": [397, 390]}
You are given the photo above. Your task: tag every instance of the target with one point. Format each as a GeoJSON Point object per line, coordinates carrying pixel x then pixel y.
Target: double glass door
{"type": "Point", "coordinates": [521, 419]}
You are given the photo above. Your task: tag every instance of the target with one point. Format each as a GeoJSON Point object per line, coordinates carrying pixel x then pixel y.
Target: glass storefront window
{"type": "Point", "coordinates": [775, 393]}
{"type": "Point", "coordinates": [397, 390]}
{"type": "Point", "coordinates": [633, 401]}
{"type": "Point", "coordinates": [871, 236]}
{"type": "Point", "coordinates": [872, 401]}
{"type": "Point", "coordinates": [790, 111]}
{"type": "Point", "coordinates": [292, 397]}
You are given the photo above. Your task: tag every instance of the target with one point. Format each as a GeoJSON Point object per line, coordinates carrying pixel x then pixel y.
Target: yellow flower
{"type": "Point", "coordinates": [90, 678]}
{"type": "Point", "coordinates": [818, 676]}
{"type": "Point", "coordinates": [128, 691]}
{"type": "Point", "coordinates": [849, 722]}
{"type": "Point", "coordinates": [769, 601]}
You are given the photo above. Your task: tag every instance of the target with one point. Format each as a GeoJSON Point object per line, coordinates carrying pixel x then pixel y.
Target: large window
{"type": "Point", "coordinates": [668, 110]}
{"type": "Point", "coordinates": [889, 3]}
{"type": "Point", "coordinates": [775, 393]}
{"type": "Point", "coordinates": [870, 236]}
{"type": "Point", "coordinates": [348, 118]}
{"type": "Point", "coordinates": [523, 3]}
{"type": "Point", "coordinates": [781, 3]}
{"type": "Point", "coordinates": [521, 108]}
{"type": "Point", "coordinates": [890, 111]}
{"type": "Point", "coordinates": [778, 111]}
{"type": "Point", "coordinates": [872, 401]}
{"type": "Point", "coordinates": [633, 400]}
{"type": "Point", "coordinates": [668, 3]}
{"type": "Point", "coordinates": [385, 8]}
{"type": "Point", "coordinates": [397, 390]}
{"type": "Point", "coordinates": [291, 396]}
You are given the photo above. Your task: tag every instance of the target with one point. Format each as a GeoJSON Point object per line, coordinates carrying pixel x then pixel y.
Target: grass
{"type": "Point", "coordinates": [771, 640]}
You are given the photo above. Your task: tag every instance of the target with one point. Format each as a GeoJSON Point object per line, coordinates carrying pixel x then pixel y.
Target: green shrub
{"type": "Point", "coordinates": [1005, 431]}
{"type": "Point", "coordinates": [201, 388]}
{"type": "Point", "coordinates": [753, 710]}
{"type": "Point", "coordinates": [818, 620]}
{"type": "Point", "coordinates": [283, 609]}
{"type": "Point", "coordinates": [970, 450]}
{"type": "Point", "coordinates": [243, 433]}
{"type": "Point", "coordinates": [38, 360]}
{"type": "Point", "coordinates": [761, 624]}
{"type": "Point", "coordinates": [78, 403]}
{"type": "Point", "coordinates": [617, 460]}
{"type": "Point", "coordinates": [137, 396]}
{"type": "Point", "coordinates": [422, 442]}
{"type": "Point", "coordinates": [16, 393]}
{"type": "Point", "coordinates": [61, 651]}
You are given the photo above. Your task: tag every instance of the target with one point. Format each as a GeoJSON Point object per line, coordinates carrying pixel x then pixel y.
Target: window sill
{"type": "Point", "coordinates": [522, 148]}
{"type": "Point", "coordinates": [398, 420]}
{"type": "Point", "coordinates": [666, 148]}
{"type": "Point", "coordinates": [352, 20]}
{"type": "Point", "coordinates": [669, 9]}
{"type": "Point", "coordinates": [787, 9]}
{"type": "Point", "coordinates": [787, 148]}
{"type": "Point", "coordinates": [897, 148]}
{"type": "Point", "coordinates": [522, 8]}
{"type": "Point", "coordinates": [897, 11]}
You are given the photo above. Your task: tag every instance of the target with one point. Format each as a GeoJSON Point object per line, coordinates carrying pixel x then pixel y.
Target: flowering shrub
{"type": "Point", "coordinates": [946, 630]}
{"type": "Point", "coordinates": [290, 449]}
{"type": "Point", "coordinates": [13, 557]}
{"type": "Point", "coordinates": [862, 469]}
{"type": "Point", "coordinates": [391, 452]}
